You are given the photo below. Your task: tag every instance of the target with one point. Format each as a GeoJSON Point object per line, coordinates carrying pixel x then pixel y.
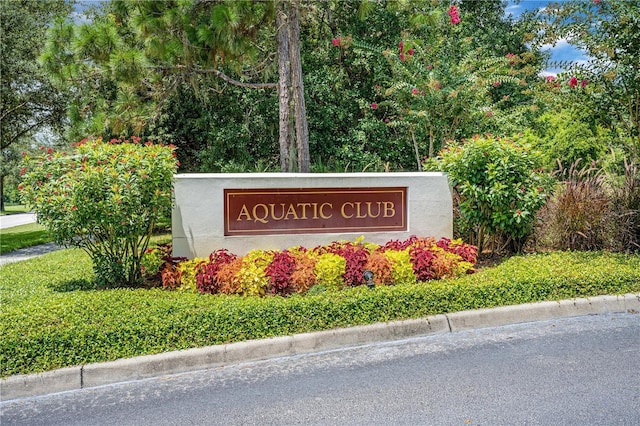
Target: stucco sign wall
{"type": "Point", "coordinates": [241, 212]}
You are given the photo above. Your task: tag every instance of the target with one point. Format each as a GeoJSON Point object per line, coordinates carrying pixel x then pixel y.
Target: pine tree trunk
{"type": "Point", "coordinates": [284, 83]}
{"type": "Point", "coordinates": [302, 129]}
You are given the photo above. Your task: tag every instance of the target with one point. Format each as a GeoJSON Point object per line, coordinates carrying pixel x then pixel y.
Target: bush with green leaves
{"type": "Point", "coordinates": [104, 197]}
{"type": "Point", "coordinates": [498, 189]}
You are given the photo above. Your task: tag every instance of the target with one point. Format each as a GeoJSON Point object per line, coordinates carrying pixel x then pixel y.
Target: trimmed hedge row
{"type": "Point", "coordinates": [44, 325]}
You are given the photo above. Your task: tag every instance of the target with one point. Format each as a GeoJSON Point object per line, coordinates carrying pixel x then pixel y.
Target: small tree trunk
{"type": "Point", "coordinates": [2, 193]}
{"type": "Point", "coordinates": [431, 137]}
{"type": "Point", "coordinates": [284, 83]}
{"type": "Point", "coordinates": [415, 148]}
{"type": "Point", "coordinates": [302, 129]}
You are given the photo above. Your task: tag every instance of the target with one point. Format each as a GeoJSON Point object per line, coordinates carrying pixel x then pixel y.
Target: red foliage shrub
{"type": "Point", "coordinates": [422, 259]}
{"type": "Point", "coordinates": [279, 272]}
{"type": "Point", "coordinates": [207, 280]}
{"type": "Point", "coordinates": [467, 252]}
{"type": "Point", "coordinates": [356, 256]}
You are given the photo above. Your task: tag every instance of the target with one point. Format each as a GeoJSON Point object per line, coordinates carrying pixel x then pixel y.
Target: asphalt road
{"type": "Point", "coordinates": [9, 221]}
{"type": "Point", "coordinates": [581, 370]}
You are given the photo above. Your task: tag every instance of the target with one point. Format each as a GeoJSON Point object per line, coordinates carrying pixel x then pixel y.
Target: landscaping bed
{"type": "Point", "coordinates": [51, 318]}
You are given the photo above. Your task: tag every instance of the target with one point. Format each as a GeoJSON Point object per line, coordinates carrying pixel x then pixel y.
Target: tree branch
{"type": "Point", "coordinates": [226, 78]}
{"type": "Point", "coordinates": [230, 80]}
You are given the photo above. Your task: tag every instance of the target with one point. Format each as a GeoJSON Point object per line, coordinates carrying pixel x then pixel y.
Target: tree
{"type": "Point", "coordinates": [136, 54]}
{"type": "Point", "coordinates": [28, 102]}
{"type": "Point", "coordinates": [609, 33]}
{"type": "Point", "coordinates": [608, 85]}
{"type": "Point", "coordinates": [445, 86]}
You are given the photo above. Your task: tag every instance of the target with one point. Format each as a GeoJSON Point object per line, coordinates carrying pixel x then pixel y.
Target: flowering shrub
{"type": "Point", "coordinates": [453, 14]}
{"type": "Point", "coordinates": [104, 198]}
{"type": "Point", "coordinates": [334, 266]}
{"type": "Point", "coordinates": [498, 187]}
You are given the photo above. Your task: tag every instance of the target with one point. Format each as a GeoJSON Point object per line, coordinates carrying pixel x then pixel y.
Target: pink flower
{"type": "Point", "coordinates": [374, 105]}
{"type": "Point", "coordinates": [23, 171]}
{"type": "Point", "coordinates": [550, 78]}
{"type": "Point", "coordinates": [402, 58]}
{"type": "Point", "coordinates": [429, 67]}
{"type": "Point", "coordinates": [583, 83]}
{"type": "Point", "coordinates": [453, 13]}
{"type": "Point", "coordinates": [401, 46]}
{"type": "Point", "coordinates": [410, 52]}
{"type": "Point", "coordinates": [597, 1]}
{"type": "Point", "coordinates": [496, 84]}
{"type": "Point", "coordinates": [573, 81]}
{"type": "Point", "coordinates": [510, 55]}
{"type": "Point", "coordinates": [336, 42]}
{"type": "Point", "coordinates": [490, 114]}
{"type": "Point", "coordinates": [414, 91]}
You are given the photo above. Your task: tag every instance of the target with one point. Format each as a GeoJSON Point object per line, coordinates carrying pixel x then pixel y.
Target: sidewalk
{"type": "Point", "coordinates": [148, 366]}
{"type": "Point", "coordinates": [9, 221]}
{"type": "Point", "coordinates": [27, 253]}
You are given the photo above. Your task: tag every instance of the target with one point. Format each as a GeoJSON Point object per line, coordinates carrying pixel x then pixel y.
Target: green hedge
{"type": "Point", "coordinates": [49, 321]}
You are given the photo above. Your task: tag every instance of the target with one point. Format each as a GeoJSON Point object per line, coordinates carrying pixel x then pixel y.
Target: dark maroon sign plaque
{"type": "Point", "coordinates": [314, 210]}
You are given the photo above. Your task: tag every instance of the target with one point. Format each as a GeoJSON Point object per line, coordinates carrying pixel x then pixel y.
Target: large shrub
{"type": "Point", "coordinates": [104, 198]}
{"type": "Point", "coordinates": [497, 187]}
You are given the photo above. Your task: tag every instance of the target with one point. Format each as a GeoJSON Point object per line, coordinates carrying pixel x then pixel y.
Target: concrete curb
{"type": "Point", "coordinates": [123, 370]}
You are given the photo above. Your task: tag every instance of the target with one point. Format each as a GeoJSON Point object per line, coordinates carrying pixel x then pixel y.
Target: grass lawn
{"type": "Point", "coordinates": [13, 209]}
{"type": "Point", "coordinates": [22, 236]}
{"type": "Point", "coordinates": [51, 316]}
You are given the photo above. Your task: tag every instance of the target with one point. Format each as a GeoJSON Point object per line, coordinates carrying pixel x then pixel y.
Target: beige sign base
{"type": "Point", "coordinates": [198, 219]}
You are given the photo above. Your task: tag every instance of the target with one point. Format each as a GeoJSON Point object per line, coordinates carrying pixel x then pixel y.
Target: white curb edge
{"type": "Point", "coordinates": [142, 367]}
